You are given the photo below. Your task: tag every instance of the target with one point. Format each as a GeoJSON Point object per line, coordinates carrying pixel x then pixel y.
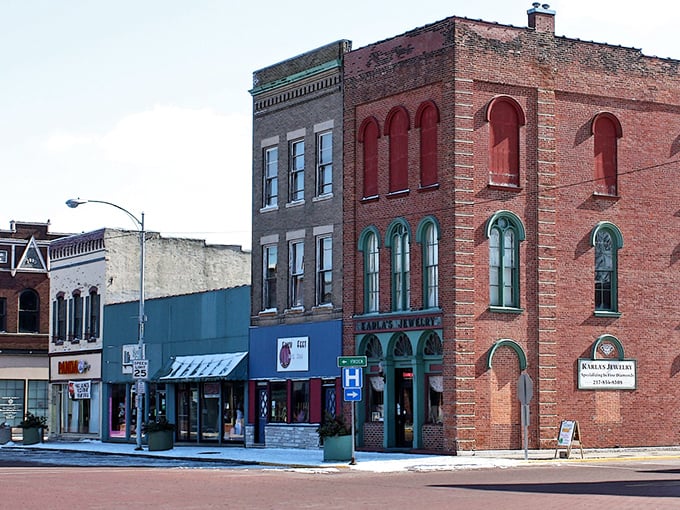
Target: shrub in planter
{"type": "Point", "coordinates": [160, 434]}
{"type": "Point", "coordinates": [336, 437]}
{"type": "Point", "coordinates": [33, 427]}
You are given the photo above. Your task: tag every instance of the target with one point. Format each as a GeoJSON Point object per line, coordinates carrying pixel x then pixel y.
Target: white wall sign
{"type": "Point", "coordinates": [607, 374]}
{"type": "Point", "coordinates": [79, 390]}
{"type": "Point", "coordinates": [131, 353]}
{"type": "Point", "coordinates": [292, 354]}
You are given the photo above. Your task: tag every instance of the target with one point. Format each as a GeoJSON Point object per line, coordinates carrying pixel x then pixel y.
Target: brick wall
{"type": "Point", "coordinates": [560, 84]}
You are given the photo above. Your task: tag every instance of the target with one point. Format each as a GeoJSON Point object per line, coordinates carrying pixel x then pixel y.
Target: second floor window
{"type": "Point", "coordinates": [271, 177]}
{"type": "Point", "coordinates": [505, 232]}
{"type": "Point", "coordinates": [297, 273]}
{"type": "Point", "coordinates": [324, 162]}
{"type": "Point", "coordinates": [431, 266]}
{"type": "Point", "coordinates": [270, 260]}
{"type": "Point", "coordinates": [29, 312]}
{"type": "Point", "coordinates": [59, 319]}
{"type": "Point", "coordinates": [324, 270]}
{"type": "Point", "coordinates": [297, 171]}
{"type": "Point", "coordinates": [76, 317]}
{"type": "Point", "coordinates": [92, 314]}
{"type": "Point", "coordinates": [606, 238]}
{"type": "Point", "coordinates": [371, 274]}
{"type": "Point", "coordinates": [401, 268]}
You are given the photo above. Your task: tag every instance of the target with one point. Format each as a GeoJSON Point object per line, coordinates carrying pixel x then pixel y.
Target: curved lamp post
{"type": "Point", "coordinates": [139, 223]}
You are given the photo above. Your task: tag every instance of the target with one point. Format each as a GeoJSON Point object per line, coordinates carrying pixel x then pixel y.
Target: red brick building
{"type": "Point", "coordinates": [24, 320]}
{"type": "Point", "coordinates": [510, 207]}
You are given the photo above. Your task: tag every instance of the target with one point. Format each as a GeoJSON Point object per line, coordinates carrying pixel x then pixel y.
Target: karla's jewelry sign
{"type": "Point", "coordinates": [606, 374]}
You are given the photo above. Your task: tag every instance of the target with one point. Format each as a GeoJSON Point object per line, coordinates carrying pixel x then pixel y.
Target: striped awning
{"type": "Point", "coordinates": [207, 367]}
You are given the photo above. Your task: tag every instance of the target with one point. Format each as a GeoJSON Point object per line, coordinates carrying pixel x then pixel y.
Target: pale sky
{"type": "Point", "coordinates": [145, 103]}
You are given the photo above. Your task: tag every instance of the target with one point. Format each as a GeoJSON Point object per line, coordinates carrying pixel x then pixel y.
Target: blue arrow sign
{"type": "Point", "coordinates": [352, 394]}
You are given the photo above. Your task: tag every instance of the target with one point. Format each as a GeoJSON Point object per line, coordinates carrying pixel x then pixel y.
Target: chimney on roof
{"type": "Point", "coordinates": [541, 18]}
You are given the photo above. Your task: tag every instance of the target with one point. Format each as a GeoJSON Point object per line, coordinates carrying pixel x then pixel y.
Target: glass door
{"type": "Point", "coordinates": [404, 407]}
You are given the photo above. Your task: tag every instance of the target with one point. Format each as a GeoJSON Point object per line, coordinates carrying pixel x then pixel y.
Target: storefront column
{"type": "Point", "coordinates": [419, 399]}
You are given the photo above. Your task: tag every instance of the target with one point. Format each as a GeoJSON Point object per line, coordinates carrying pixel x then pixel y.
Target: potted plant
{"type": "Point", "coordinates": [336, 437]}
{"type": "Point", "coordinates": [160, 434]}
{"type": "Point", "coordinates": [33, 427]}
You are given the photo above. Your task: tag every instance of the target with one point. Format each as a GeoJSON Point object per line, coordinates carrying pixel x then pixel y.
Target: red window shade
{"type": "Point", "coordinates": [398, 131]}
{"type": "Point", "coordinates": [605, 156]}
{"type": "Point", "coordinates": [428, 146]}
{"type": "Point", "coordinates": [504, 145]}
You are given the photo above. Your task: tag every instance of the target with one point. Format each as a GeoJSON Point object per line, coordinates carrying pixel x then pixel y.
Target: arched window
{"type": "Point", "coordinates": [369, 132]}
{"type": "Point", "coordinates": [369, 245]}
{"type": "Point", "coordinates": [433, 345]}
{"type": "Point", "coordinates": [29, 312]}
{"type": "Point", "coordinates": [76, 317]}
{"type": "Point", "coordinates": [402, 347]}
{"type": "Point", "coordinates": [427, 118]}
{"type": "Point", "coordinates": [606, 130]}
{"type": "Point", "coordinates": [504, 231]}
{"type": "Point", "coordinates": [373, 350]}
{"type": "Point", "coordinates": [428, 236]}
{"type": "Point", "coordinates": [505, 117]}
{"type": "Point", "coordinates": [59, 319]}
{"type": "Point", "coordinates": [398, 239]}
{"type": "Point", "coordinates": [606, 238]}
{"type": "Point", "coordinates": [397, 126]}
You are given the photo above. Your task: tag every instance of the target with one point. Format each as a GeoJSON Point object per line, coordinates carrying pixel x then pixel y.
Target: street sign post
{"type": "Point", "coordinates": [352, 361]}
{"type": "Point", "coordinates": [352, 382]}
{"type": "Point", "coordinates": [525, 392]}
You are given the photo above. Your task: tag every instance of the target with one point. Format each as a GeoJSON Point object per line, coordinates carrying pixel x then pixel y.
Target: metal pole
{"type": "Point", "coordinates": [353, 461]}
{"type": "Point", "coordinates": [140, 345]}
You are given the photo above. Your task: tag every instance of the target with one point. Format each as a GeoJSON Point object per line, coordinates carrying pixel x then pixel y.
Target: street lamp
{"type": "Point", "coordinates": [139, 223]}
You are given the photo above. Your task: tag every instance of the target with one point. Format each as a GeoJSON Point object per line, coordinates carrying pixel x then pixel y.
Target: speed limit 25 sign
{"type": "Point", "coordinates": [140, 368]}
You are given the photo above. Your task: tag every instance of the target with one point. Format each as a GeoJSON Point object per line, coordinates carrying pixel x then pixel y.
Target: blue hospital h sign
{"type": "Point", "coordinates": [352, 377]}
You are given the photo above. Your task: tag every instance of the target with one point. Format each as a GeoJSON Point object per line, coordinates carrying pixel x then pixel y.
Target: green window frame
{"type": "Point", "coordinates": [607, 240]}
{"type": "Point", "coordinates": [398, 240]}
{"type": "Point", "coordinates": [505, 231]}
{"type": "Point", "coordinates": [369, 244]}
{"type": "Point", "coordinates": [428, 235]}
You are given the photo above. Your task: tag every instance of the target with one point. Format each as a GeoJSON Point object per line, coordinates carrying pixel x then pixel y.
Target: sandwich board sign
{"type": "Point", "coordinates": [568, 434]}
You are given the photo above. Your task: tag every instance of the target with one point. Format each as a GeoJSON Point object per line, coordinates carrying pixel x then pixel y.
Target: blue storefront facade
{"type": "Point", "coordinates": [197, 348]}
{"type": "Point", "coordinates": [293, 381]}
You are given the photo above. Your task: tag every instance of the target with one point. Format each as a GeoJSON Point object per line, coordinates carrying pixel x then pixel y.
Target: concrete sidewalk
{"type": "Point", "coordinates": [365, 461]}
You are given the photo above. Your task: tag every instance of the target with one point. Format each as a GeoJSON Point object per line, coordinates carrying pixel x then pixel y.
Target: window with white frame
{"type": "Point", "coordinates": [371, 273]}
{"type": "Point", "coordinates": [297, 171]}
{"type": "Point", "coordinates": [296, 270]}
{"type": "Point", "coordinates": [505, 232]}
{"type": "Point", "coordinates": [271, 177]}
{"type": "Point", "coordinates": [270, 263]}
{"type": "Point", "coordinates": [324, 163]}
{"type": "Point", "coordinates": [324, 270]}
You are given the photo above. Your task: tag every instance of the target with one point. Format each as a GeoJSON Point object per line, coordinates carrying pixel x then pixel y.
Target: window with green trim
{"type": "Point", "coordinates": [505, 232]}
{"type": "Point", "coordinates": [606, 239]}
{"type": "Point", "coordinates": [401, 270]}
{"type": "Point", "coordinates": [371, 273]}
{"type": "Point", "coordinates": [431, 266]}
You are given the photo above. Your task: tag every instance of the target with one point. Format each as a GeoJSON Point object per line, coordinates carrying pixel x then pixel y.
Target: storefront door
{"type": "Point", "coordinates": [263, 413]}
{"type": "Point", "coordinates": [187, 412]}
{"type": "Point", "coordinates": [404, 407]}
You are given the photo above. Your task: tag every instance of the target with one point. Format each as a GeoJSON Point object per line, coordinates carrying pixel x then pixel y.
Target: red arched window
{"type": "Point", "coordinates": [396, 127]}
{"type": "Point", "coordinates": [427, 118]}
{"type": "Point", "coordinates": [505, 117]}
{"type": "Point", "coordinates": [606, 130]}
{"type": "Point", "coordinates": [369, 132]}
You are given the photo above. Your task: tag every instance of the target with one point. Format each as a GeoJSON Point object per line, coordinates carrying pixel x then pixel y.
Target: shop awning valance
{"type": "Point", "coordinates": [206, 367]}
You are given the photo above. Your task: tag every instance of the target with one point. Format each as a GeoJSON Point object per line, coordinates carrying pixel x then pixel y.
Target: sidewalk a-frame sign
{"type": "Point", "coordinates": [567, 436]}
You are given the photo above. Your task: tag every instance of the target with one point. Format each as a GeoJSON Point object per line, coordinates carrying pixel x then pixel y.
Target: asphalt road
{"type": "Point", "coordinates": [621, 485]}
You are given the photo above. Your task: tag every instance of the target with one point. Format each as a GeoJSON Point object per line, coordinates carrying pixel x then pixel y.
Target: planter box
{"type": "Point", "coordinates": [32, 435]}
{"type": "Point", "coordinates": [161, 440]}
{"type": "Point", "coordinates": [337, 448]}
